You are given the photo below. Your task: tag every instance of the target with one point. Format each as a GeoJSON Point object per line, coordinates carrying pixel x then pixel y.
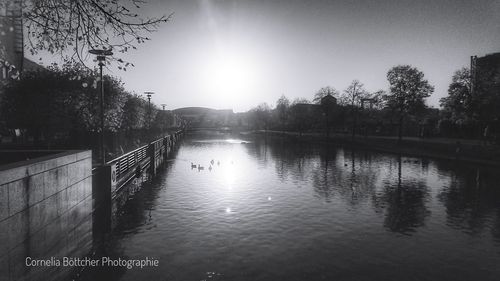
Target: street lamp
{"type": "Point", "coordinates": [149, 94]}
{"type": "Point", "coordinates": [101, 57]}
{"type": "Point", "coordinates": [163, 106]}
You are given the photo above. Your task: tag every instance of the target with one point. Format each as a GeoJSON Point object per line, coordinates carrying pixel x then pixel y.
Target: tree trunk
{"type": "Point", "coordinates": [355, 121]}
{"type": "Point", "coordinates": [400, 133]}
{"type": "Point", "coordinates": [327, 126]}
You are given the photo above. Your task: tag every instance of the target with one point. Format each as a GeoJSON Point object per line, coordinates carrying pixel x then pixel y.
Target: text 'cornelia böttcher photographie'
{"type": "Point", "coordinates": [88, 262]}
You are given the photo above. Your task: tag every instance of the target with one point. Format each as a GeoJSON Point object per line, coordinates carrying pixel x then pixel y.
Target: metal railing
{"type": "Point", "coordinates": [138, 159]}
{"type": "Point", "coordinates": [129, 160]}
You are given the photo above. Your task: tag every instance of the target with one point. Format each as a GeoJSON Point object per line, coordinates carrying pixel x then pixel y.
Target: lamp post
{"type": "Point", "coordinates": [101, 57]}
{"type": "Point", "coordinates": [149, 94]}
{"type": "Point", "coordinates": [163, 106]}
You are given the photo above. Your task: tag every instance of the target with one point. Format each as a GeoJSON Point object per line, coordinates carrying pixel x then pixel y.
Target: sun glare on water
{"type": "Point", "coordinates": [230, 175]}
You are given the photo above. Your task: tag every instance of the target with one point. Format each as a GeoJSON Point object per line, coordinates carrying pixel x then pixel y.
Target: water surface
{"type": "Point", "coordinates": [277, 210]}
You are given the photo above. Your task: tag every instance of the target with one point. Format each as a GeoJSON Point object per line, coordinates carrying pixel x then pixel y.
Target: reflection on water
{"type": "Point", "coordinates": [273, 210]}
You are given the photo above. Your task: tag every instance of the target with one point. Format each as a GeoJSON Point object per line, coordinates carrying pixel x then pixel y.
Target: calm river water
{"type": "Point", "coordinates": [277, 210]}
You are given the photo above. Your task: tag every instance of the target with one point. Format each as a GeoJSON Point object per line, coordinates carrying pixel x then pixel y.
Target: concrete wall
{"type": "Point", "coordinates": [45, 211]}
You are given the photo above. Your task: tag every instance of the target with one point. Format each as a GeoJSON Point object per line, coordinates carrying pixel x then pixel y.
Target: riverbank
{"type": "Point", "coordinates": [445, 148]}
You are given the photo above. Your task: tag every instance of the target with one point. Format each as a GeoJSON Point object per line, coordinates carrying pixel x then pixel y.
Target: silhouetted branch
{"type": "Point", "coordinates": [71, 28]}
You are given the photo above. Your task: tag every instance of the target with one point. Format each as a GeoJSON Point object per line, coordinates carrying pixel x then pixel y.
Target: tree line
{"type": "Point", "coordinates": [59, 107]}
{"type": "Point", "coordinates": [399, 111]}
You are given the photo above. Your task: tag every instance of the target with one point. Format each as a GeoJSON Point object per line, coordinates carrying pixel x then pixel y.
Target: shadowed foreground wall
{"type": "Point", "coordinates": [45, 211]}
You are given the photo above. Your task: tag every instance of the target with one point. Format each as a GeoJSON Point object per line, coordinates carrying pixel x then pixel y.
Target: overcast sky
{"type": "Point", "coordinates": [237, 54]}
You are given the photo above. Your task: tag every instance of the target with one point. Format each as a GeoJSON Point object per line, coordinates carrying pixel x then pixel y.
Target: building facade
{"type": "Point", "coordinates": [485, 78]}
{"type": "Point", "coordinates": [11, 39]}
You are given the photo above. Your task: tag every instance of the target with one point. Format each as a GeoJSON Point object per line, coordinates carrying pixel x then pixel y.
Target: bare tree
{"type": "Point", "coordinates": [261, 115]}
{"type": "Point", "coordinates": [353, 96]}
{"type": "Point", "coordinates": [301, 101]}
{"type": "Point", "coordinates": [70, 28]}
{"type": "Point", "coordinates": [282, 108]}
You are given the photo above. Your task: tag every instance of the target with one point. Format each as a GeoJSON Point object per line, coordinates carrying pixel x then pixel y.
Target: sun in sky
{"type": "Point", "coordinates": [228, 76]}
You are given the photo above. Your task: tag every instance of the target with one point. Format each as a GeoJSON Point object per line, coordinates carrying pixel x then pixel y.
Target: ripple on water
{"type": "Point", "coordinates": [287, 211]}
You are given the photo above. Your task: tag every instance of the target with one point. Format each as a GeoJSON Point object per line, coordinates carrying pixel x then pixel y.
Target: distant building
{"type": "Point", "coordinates": [11, 39]}
{"type": "Point", "coordinates": [485, 72]}
{"type": "Point", "coordinates": [203, 117]}
{"type": "Point", "coordinates": [485, 78]}
{"type": "Point", "coordinates": [328, 100]}
{"type": "Point", "coordinates": [12, 60]}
